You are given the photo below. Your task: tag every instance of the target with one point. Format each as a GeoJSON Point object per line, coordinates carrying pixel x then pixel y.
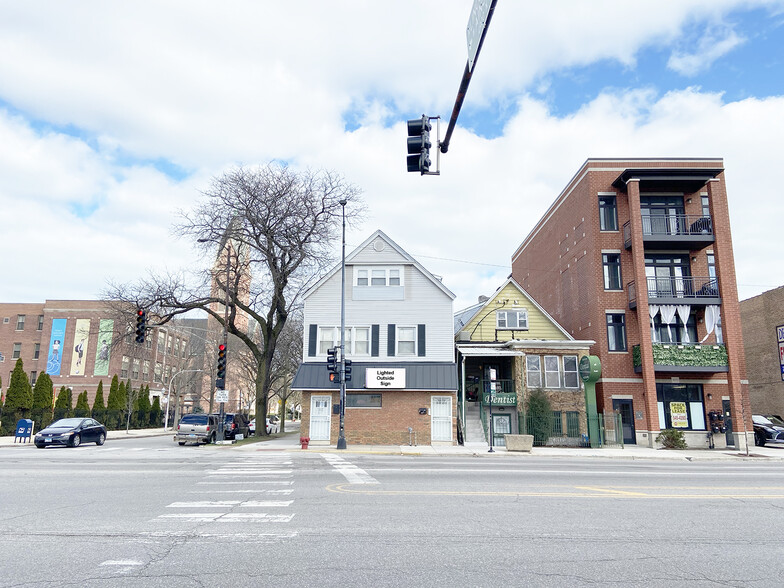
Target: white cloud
{"type": "Point", "coordinates": [711, 46]}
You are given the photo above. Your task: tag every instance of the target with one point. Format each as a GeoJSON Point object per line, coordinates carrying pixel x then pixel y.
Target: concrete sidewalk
{"type": "Point", "coordinates": [290, 442]}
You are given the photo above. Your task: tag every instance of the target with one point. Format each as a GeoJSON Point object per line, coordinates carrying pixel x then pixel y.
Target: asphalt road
{"type": "Point", "coordinates": [146, 512]}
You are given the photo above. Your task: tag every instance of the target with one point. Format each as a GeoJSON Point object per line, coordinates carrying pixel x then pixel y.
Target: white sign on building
{"type": "Point", "coordinates": [383, 378]}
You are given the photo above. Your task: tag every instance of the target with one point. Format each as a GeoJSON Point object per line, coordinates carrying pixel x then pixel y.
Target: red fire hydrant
{"type": "Point", "coordinates": [304, 442]}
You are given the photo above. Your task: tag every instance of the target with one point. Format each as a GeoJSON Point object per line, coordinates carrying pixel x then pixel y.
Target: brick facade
{"type": "Point", "coordinates": [568, 279]}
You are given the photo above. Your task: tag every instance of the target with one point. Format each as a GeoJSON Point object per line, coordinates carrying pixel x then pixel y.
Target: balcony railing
{"type": "Point", "coordinates": [673, 228]}
{"type": "Point", "coordinates": [678, 290]}
{"type": "Point", "coordinates": [684, 358]}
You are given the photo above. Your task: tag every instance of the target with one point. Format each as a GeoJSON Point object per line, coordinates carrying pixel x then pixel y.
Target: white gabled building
{"type": "Point", "coordinates": [398, 336]}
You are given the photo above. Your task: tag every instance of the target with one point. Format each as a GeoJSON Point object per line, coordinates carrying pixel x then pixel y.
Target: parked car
{"type": "Point", "coordinates": [766, 430]}
{"type": "Point", "coordinates": [197, 428]}
{"type": "Point", "coordinates": [234, 423]}
{"type": "Point", "coordinates": [272, 426]}
{"type": "Point", "coordinates": [71, 432]}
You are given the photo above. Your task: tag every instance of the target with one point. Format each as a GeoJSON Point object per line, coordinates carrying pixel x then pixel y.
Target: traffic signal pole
{"type": "Point", "coordinates": [461, 91]}
{"type": "Point", "coordinates": [342, 435]}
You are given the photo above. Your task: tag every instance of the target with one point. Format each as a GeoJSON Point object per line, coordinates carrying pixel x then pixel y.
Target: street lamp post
{"type": "Point", "coordinates": [342, 435]}
{"type": "Point", "coordinates": [168, 394]}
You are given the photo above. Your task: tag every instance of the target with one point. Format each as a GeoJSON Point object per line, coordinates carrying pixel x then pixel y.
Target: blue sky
{"type": "Point", "coordinates": [111, 122]}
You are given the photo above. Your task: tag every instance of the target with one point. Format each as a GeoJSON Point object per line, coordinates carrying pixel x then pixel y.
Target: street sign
{"type": "Point", "coordinates": [476, 26]}
{"type": "Point", "coordinates": [221, 395]}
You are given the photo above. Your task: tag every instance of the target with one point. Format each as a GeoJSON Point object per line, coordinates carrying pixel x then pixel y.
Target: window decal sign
{"type": "Point", "coordinates": [55, 358]}
{"type": "Point", "coordinates": [678, 416]}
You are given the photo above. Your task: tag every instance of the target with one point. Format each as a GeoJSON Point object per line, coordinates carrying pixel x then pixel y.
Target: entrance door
{"type": "Point", "coordinates": [725, 407]}
{"type": "Point", "coordinates": [502, 425]}
{"type": "Point", "coordinates": [626, 409]}
{"type": "Point", "coordinates": [441, 418]}
{"type": "Point", "coordinates": [320, 418]}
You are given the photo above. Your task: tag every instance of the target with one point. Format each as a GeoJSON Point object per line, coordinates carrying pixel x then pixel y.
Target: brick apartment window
{"type": "Point", "coordinates": [161, 342]}
{"type": "Point", "coordinates": [146, 371]}
{"type": "Point", "coordinates": [552, 375]}
{"type": "Point", "coordinates": [148, 342]}
{"type": "Point", "coordinates": [616, 331]}
{"type": "Point", "coordinates": [705, 205]}
{"type": "Point", "coordinates": [37, 351]}
{"type": "Point", "coordinates": [135, 372]}
{"type": "Point", "coordinates": [20, 321]}
{"type": "Point", "coordinates": [166, 374]}
{"type": "Point", "coordinates": [608, 213]}
{"type": "Point", "coordinates": [570, 371]}
{"type": "Point", "coordinates": [406, 341]}
{"type": "Point", "coordinates": [611, 263]}
{"type": "Point", "coordinates": [169, 346]}
{"type": "Point", "coordinates": [33, 378]}
{"type": "Point", "coordinates": [158, 372]}
{"type": "Point", "coordinates": [533, 368]}
{"type": "Point", "coordinates": [17, 351]}
{"type": "Point", "coordinates": [124, 367]}
{"type": "Point", "coordinates": [40, 322]}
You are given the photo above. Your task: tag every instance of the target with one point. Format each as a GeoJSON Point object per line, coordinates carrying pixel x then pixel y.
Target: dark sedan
{"type": "Point", "coordinates": [766, 430]}
{"type": "Point", "coordinates": [72, 433]}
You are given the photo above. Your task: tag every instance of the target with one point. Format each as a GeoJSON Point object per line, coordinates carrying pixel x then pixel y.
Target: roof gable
{"type": "Point", "coordinates": [381, 250]}
{"type": "Point", "coordinates": [479, 321]}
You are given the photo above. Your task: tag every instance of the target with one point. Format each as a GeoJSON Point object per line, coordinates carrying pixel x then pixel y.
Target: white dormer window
{"type": "Point", "coordinates": [511, 319]}
{"type": "Point", "coordinates": [379, 277]}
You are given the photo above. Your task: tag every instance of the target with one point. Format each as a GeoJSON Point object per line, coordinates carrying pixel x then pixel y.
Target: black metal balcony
{"type": "Point", "coordinates": [673, 231]}
{"type": "Point", "coordinates": [692, 290]}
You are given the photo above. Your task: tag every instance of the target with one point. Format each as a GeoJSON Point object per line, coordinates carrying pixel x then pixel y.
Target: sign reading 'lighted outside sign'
{"type": "Point", "coordinates": [385, 378]}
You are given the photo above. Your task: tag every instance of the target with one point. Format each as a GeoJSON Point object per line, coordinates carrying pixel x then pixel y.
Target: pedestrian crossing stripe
{"type": "Point", "coordinates": [221, 517]}
{"type": "Point", "coordinates": [230, 503]}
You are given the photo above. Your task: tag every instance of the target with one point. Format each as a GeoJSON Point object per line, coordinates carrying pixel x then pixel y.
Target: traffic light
{"type": "Point", "coordinates": [334, 377]}
{"type": "Point", "coordinates": [332, 360]}
{"type": "Point", "coordinates": [221, 380]}
{"type": "Point", "coordinates": [347, 372]}
{"type": "Point", "coordinates": [419, 145]}
{"type": "Point", "coordinates": [141, 325]}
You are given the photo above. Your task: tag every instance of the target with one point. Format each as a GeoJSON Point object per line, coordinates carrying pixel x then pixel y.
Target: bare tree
{"type": "Point", "coordinates": [277, 231]}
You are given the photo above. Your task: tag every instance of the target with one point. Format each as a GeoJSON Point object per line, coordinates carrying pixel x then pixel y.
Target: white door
{"type": "Point", "coordinates": [320, 417]}
{"type": "Point", "coordinates": [441, 418]}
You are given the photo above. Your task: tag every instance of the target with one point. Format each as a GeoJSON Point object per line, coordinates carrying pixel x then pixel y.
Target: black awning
{"type": "Point", "coordinates": [686, 180]}
{"type": "Point", "coordinates": [419, 376]}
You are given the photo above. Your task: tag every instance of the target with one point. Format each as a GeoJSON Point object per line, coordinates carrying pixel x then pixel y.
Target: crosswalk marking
{"type": "Point", "coordinates": [255, 491]}
{"type": "Point", "coordinates": [352, 473]}
{"type": "Point", "coordinates": [221, 517]}
{"type": "Point", "coordinates": [230, 503]}
{"type": "Point", "coordinates": [248, 482]}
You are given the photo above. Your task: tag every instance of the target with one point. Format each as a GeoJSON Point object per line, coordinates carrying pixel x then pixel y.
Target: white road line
{"type": "Point", "coordinates": [228, 482]}
{"type": "Point", "coordinates": [243, 536]}
{"type": "Point", "coordinates": [260, 517]}
{"type": "Point", "coordinates": [257, 491]}
{"type": "Point", "coordinates": [258, 472]}
{"type": "Point", "coordinates": [123, 565]}
{"type": "Point", "coordinates": [352, 473]}
{"type": "Point", "coordinates": [230, 503]}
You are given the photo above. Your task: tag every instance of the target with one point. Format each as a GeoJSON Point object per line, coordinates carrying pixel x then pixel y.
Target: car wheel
{"type": "Point", "coordinates": [40, 446]}
{"type": "Point", "coordinates": [762, 441]}
{"type": "Point", "coordinates": [101, 439]}
{"type": "Point", "coordinates": [180, 443]}
{"type": "Point", "coordinates": [76, 440]}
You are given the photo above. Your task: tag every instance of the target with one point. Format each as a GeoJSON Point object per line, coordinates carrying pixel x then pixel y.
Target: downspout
{"type": "Point", "coordinates": [463, 385]}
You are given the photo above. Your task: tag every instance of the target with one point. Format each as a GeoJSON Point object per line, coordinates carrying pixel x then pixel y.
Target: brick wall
{"type": "Point", "coordinates": [387, 425]}
{"type": "Point", "coordinates": [760, 316]}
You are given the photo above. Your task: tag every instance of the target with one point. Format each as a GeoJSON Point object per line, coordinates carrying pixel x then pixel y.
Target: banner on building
{"type": "Point", "coordinates": [55, 359]}
{"type": "Point", "coordinates": [780, 338]}
{"type": "Point", "coordinates": [81, 342]}
{"type": "Point", "coordinates": [104, 351]}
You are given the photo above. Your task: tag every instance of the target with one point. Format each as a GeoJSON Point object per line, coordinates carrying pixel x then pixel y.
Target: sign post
{"type": "Point", "coordinates": [590, 372]}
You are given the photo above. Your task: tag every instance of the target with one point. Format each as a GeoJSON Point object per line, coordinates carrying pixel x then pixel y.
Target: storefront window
{"type": "Point", "coordinates": [681, 406]}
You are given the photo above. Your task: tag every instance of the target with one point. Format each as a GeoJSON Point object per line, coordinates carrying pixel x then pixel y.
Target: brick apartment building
{"type": "Point", "coordinates": [82, 342]}
{"type": "Point", "coordinates": [763, 336]}
{"type": "Point", "coordinates": [636, 254]}
{"type": "Point", "coordinates": [399, 337]}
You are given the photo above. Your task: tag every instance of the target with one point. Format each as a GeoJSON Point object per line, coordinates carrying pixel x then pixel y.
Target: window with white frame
{"type": "Point", "coordinates": [406, 341]}
{"type": "Point", "coordinates": [357, 340]}
{"type": "Point", "coordinates": [552, 373]}
{"type": "Point", "coordinates": [511, 319]}
{"type": "Point", "coordinates": [570, 376]}
{"type": "Point", "coordinates": [378, 276]}
{"type": "Point", "coordinates": [126, 362]}
{"type": "Point", "coordinates": [533, 368]}
{"type": "Point", "coordinates": [17, 352]}
{"type": "Point", "coordinates": [20, 322]}
{"type": "Point", "coordinates": [135, 372]}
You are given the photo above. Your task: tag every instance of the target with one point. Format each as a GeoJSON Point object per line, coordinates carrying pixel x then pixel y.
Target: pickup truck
{"type": "Point", "coordinates": [197, 428]}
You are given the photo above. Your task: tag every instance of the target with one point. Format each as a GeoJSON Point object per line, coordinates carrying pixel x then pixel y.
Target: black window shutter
{"type": "Point", "coordinates": [374, 336]}
{"type": "Point", "coordinates": [312, 340]}
{"type": "Point", "coordinates": [390, 340]}
{"type": "Point", "coordinates": [421, 340]}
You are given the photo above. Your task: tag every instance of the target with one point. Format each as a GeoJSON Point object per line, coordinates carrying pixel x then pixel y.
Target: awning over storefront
{"type": "Point", "coordinates": [436, 376]}
{"type": "Point", "coordinates": [470, 351]}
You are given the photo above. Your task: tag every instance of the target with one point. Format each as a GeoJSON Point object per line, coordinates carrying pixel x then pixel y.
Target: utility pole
{"type": "Point", "coordinates": [342, 436]}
